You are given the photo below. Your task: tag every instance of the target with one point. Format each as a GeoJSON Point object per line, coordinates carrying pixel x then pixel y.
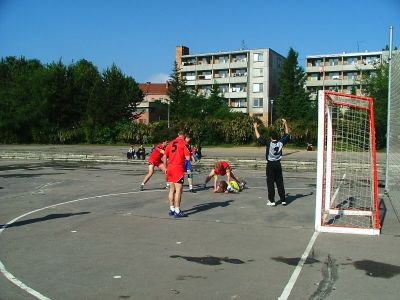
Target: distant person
{"type": "Point", "coordinates": [155, 161]}
{"type": "Point", "coordinates": [131, 152]}
{"type": "Point", "coordinates": [222, 168]}
{"type": "Point", "coordinates": [197, 153]}
{"type": "Point", "coordinates": [273, 156]}
{"type": "Point", "coordinates": [174, 159]}
{"type": "Point", "coordinates": [188, 164]}
{"type": "Point", "coordinates": [141, 153]}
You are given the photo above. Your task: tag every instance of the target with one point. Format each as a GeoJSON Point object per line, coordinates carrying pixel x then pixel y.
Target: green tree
{"type": "Point", "coordinates": [216, 105]}
{"type": "Point", "coordinates": [181, 101]}
{"type": "Point", "coordinates": [20, 98]}
{"type": "Point", "coordinates": [293, 101]}
{"type": "Point", "coordinates": [120, 95]}
{"type": "Point", "coordinates": [376, 86]}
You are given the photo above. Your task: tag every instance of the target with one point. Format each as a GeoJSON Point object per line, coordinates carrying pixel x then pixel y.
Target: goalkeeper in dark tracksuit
{"type": "Point", "coordinates": [274, 169]}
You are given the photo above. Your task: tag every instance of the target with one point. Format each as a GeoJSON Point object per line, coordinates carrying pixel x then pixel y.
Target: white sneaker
{"type": "Point", "coordinates": [269, 203]}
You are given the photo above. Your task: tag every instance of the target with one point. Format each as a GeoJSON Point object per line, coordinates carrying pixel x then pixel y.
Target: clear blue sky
{"type": "Point", "coordinates": [140, 36]}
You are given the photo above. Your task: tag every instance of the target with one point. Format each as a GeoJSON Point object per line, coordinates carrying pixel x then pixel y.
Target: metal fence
{"type": "Point", "coordinates": [392, 184]}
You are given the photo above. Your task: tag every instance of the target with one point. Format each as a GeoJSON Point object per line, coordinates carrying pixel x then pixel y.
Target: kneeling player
{"type": "Point", "coordinates": [222, 168]}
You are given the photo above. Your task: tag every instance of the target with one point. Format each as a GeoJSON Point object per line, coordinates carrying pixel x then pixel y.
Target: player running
{"type": "Point", "coordinates": [155, 161]}
{"type": "Point", "coordinates": [174, 159]}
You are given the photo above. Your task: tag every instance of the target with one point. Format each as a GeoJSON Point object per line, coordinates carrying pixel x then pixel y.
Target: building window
{"type": "Point", "coordinates": [258, 57]}
{"type": "Point", "coordinates": [257, 102]}
{"type": "Point", "coordinates": [239, 73]}
{"type": "Point", "coordinates": [371, 60]}
{"type": "Point", "coordinates": [240, 103]}
{"type": "Point", "coordinates": [224, 88]}
{"type": "Point", "coordinates": [238, 88]}
{"type": "Point", "coordinates": [334, 75]}
{"type": "Point", "coordinates": [317, 63]}
{"type": "Point", "coordinates": [223, 59]}
{"type": "Point", "coordinates": [352, 75]}
{"type": "Point", "coordinates": [315, 76]}
{"type": "Point", "coordinates": [258, 87]}
{"type": "Point", "coordinates": [334, 61]}
{"type": "Point", "coordinates": [352, 60]}
{"type": "Point", "coordinates": [190, 76]}
{"type": "Point", "coordinates": [258, 72]}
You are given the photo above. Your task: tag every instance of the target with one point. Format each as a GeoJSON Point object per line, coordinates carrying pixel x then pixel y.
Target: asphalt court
{"type": "Point", "coordinates": [84, 231]}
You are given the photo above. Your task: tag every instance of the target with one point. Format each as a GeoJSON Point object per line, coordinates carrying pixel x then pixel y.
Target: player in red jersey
{"type": "Point", "coordinates": [174, 159]}
{"type": "Point", "coordinates": [222, 168]}
{"type": "Point", "coordinates": [155, 161]}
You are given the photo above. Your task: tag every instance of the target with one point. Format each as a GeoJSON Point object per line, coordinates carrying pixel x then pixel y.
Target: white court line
{"type": "Point", "coordinates": [289, 286]}
{"type": "Point", "coordinates": [15, 280]}
{"type": "Point", "coordinates": [263, 187]}
{"type": "Point", "coordinates": [39, 296]}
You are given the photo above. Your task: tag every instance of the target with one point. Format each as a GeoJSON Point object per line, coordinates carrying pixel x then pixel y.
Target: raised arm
{"type": "Point", "coordinates": [255, 125]}
{"type": "Point", "coordinates": [285, 124]}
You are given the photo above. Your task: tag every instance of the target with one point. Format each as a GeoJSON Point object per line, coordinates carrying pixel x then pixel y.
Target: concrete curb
{"type": "Point", "coordinates": [248, 163]}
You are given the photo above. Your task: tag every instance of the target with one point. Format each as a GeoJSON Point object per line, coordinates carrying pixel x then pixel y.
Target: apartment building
{"type": "Point", "coordinates": [341, 72]}
{"type": "Point", "coordinates": [248, 79]}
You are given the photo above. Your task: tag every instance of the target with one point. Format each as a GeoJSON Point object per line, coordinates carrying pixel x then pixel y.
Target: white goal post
{"type": "Point", "coordinates": [347, 181]}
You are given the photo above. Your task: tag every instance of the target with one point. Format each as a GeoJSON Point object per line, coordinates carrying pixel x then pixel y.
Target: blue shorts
{"type": "Point", "coordinates": [188, 165]}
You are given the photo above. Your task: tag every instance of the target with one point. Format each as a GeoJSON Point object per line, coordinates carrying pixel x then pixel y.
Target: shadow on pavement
{"type": "Point", "coordinates": [45, 218]}
{"type": "Point", "coordinates": [207, 206]}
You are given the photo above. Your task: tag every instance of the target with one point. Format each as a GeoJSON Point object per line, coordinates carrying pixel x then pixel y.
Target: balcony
{"type": "Point", "coordinates": [239, 109]}
{"type": "Point", "coordinates": [204, 77]}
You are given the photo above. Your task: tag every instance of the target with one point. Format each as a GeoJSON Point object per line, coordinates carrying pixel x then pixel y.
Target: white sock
{"type": "Point", "coordinates": [177, 210]}
{"type": "Point", "coordinates": [190, 186]}
{"type": "Point", "coordinates": [142, 183]}
{"type": "Point", "coordinates": [172, 208]}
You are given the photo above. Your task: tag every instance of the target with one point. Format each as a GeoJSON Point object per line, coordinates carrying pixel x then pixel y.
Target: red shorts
{"type": "Point", "coordinates": [175, 173]}
{"type": "Point", "coordinates": [155, 162]}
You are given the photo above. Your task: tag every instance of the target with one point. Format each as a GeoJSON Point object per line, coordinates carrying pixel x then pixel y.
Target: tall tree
{"type": "Point", "coordinates": [376, 86]}
{"type": "Point", "coordinates": [180, 98]}
{"type": "Point", "coordinates": [120, 95]}
{"type": "Point", "coordinates": [293, 101]}
{"type": "Point", "coordinates": [216, 105]}
{"type": "Point", "coordinates": [20, 98]}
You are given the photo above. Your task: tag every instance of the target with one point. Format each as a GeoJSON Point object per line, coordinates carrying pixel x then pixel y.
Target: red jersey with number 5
{"type": "Point", "coordinates": [176, 152]}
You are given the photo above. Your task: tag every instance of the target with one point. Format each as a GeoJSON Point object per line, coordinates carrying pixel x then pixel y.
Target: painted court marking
{"type": "Point", "coordinates": [289, 286]}
{"type": "Point", "coordinates": [14, 279]}
{"type": "Point", "coordinates": [285, 294]}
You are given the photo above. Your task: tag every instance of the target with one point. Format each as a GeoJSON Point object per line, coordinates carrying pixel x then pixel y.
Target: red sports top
{"type": "Point", "coordinates": [157, 153]}
{"type": "Point", "coordinates": [176, 152]}
{"type": "Point", "coordinates": [224, 165]}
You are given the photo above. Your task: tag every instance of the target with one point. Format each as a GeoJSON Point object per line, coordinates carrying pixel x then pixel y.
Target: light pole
{"type": "Point", "coordinates": [272, 106]}
{"type": "Point", "coordinates": [168, 114]}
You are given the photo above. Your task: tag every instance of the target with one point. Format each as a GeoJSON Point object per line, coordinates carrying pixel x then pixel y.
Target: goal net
{"type": "Point", "coordinates": [347, 183]}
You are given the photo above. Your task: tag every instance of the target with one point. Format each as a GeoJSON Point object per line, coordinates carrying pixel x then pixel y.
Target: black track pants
{"type": "Point", "coordinates": [274, 175]}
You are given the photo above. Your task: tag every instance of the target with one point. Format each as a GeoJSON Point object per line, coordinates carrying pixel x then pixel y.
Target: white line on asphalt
{"type": "Point", "coordinates": [15, 280]}
{"type": "Point", "coordinates": [289, 286]}
{"type": "Point", "coordinates": [286, 188]}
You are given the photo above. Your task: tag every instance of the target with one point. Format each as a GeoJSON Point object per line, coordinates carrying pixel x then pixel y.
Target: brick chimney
{"type": "Point", "coordinates": [180, 51]}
